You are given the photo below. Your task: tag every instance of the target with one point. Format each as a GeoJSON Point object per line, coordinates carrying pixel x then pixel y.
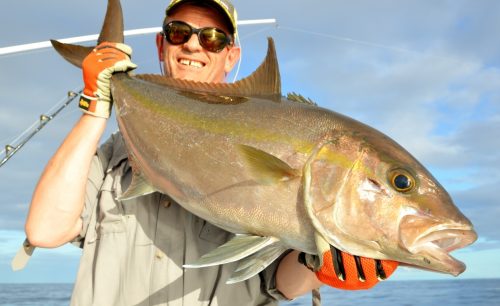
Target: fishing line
{"type": "Point", "coordinates": [371, 44]}
{"type": "Point", "coordinates": [161, 68]}
{"type": "Point", "coordinates": [6, 140]}
{"type": "Point", "coordinates": [69, 113]}
{"type": "Point", "coordinates": [246, 36]}
{"type": "Point", "coordinates": [238, 42]}
{"type": "Point", "coordinates": [346, 39]}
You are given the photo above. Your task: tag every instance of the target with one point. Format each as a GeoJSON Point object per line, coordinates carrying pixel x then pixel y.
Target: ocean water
{"type": "Point", "coordinates": [480, 292]}
{"type": "Point", "coordinates": [475, 292]}
{"type": "Point", "coordinates": [35, 294]}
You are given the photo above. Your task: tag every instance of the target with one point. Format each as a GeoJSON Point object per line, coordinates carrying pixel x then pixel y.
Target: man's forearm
{"type": "Point", "coordinates": [293, 279]}
{"type": "Point", "coordinates": [54, 215]}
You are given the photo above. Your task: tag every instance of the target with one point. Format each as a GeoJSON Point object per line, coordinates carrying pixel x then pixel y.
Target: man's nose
{"type": "Point", "coordinates": [193, 44]}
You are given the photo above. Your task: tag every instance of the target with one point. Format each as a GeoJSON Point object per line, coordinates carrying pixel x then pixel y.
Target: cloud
{"type": "Point", "coordinates": [46, 265]}
{"type": "Point", "coordinates": [13, 214]}
{"type": "Point", "coordinates": [482, 205]}
{"type": "Point", "coordinates": [480, 143]}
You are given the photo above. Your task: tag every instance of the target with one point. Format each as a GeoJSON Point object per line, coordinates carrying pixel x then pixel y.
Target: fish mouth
{"type": "Point", "coordinates": [432, 248]}
{"type": "Point", "coordinates": [438, 244]}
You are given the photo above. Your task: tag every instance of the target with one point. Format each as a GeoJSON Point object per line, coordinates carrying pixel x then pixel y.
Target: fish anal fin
{"type": "Point", "coordinates": [235, 249]}
{"type": "Point", "coordinates": [257, 262]}
{"type": "Point", "coordinates": [267, 168]}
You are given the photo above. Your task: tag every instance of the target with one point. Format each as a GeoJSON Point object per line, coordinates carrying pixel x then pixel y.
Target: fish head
{"type": "Point", "coordinates": [378, 201]}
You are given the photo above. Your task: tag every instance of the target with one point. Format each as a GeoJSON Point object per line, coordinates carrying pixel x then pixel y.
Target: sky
{"type": "Point", "coordinates": [426, 73]}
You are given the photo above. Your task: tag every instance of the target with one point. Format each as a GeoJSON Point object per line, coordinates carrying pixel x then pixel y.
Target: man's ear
{"type": "Point", "coordinates": [159, 45]}
{"type": "Point", "coordinates": [232, 58]}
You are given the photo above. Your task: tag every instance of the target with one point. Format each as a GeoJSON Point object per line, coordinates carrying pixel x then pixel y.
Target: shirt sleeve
{"type": "Point", "coordinates": [95, 179]}
{"type": "Point", "coordinates": [268, 279]}
{"type": "Point", "coordinates": [94, 182]}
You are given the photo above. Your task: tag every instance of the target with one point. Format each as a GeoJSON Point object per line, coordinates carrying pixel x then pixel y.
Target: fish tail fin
{"type": "Point", "coordinates": [72, 53]}
{"type": "Point", "coordinates": [112, 31]}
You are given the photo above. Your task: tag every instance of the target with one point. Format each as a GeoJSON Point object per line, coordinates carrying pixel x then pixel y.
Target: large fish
{"type": "Point", "coordinates": [280, 171]}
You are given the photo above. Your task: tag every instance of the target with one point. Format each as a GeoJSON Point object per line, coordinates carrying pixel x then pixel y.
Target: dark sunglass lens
{"type": "Point", "coordinates": [178, 33]}
{"type": "Point", "coordinates": [213, 39]}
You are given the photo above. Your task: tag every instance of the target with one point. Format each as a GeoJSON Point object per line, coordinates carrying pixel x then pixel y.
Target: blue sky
{"type": "Point", "coordinates": [426, 73]}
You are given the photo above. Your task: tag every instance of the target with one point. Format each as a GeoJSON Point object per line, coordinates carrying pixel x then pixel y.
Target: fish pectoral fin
{"type": "Point", "coordinates": [235, 249]}
{"type": "Point", "coordinates": [137, 188]}
{"type": "Point", "coordinates": [254, 264]}
{"type": "Point", "coordinates": [266, 168]}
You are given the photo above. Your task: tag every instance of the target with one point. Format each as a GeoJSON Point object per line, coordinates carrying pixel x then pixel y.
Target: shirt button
{"type": "Point", "coordinates": [166, 203]}
{"type": "Point", "coordinates": [159, 254]}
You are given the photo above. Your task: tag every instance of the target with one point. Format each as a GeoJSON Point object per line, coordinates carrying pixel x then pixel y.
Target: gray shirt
{"type": "Point", "coordinates": [133, 250]}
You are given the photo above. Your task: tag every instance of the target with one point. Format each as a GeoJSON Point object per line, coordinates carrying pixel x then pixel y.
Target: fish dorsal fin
{"type": "Point", "coordinates": [295, 97]}
{"type": "Point", "coordinates": [112, 31]}
{"type": "Point", "coordinates": [265, 81]}
{"type": "Point", "coordinates": [267, 168]}
{"type": "Point", "coordinates": [235, 249]}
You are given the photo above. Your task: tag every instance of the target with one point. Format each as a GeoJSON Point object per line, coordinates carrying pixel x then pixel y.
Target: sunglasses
{"type": "Point", "coordinates": [210, 38]}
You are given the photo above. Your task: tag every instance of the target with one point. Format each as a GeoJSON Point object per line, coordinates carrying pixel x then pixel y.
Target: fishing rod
{"type": "Point", "coordinates": [93, 37]}
{"type": "Point", "coordinates": [13, 147]}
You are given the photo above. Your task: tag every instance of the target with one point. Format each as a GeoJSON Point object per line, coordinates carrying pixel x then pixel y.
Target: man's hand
{"type": "Point", "coordinates": [98, 68]}
{"type": "Point", "coordinates": [344, 271]}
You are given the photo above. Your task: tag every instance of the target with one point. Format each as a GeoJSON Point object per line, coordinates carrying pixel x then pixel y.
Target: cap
{"type": "Point", "coordinates": [226, 6]}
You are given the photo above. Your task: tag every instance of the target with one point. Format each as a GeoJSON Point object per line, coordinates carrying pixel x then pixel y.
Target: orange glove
{"type": "Point", "coordinates": [98, 68]}
{"type": "Point", "coordinates": [345, 271]}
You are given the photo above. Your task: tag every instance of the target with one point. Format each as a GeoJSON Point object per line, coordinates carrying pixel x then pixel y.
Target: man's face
{"type": "Point", "coordinates": [190, 61]}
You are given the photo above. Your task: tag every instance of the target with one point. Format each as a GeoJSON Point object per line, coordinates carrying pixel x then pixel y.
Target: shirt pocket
{"type": "Point", "coordinates": [110, 217]}
{"type": "Point", "coordinates": [141, 216]}
{"type": "Point", "coordinates": [211, 233]}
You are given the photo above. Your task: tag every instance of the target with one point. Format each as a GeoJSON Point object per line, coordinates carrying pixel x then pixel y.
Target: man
{"type": "Point", "coordinates": [133, 250]}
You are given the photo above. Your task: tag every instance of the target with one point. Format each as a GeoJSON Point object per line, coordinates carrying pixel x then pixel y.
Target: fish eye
{"type": "Point", "coordinates": [402, 181]}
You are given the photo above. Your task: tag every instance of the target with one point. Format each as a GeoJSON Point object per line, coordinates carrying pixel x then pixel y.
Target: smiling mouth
{"type": "Point", "coordinates": [191, 63]}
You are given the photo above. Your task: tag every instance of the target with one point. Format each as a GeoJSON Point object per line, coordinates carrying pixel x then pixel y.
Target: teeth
{"type": "Point", "coordinates": [191, 63]}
